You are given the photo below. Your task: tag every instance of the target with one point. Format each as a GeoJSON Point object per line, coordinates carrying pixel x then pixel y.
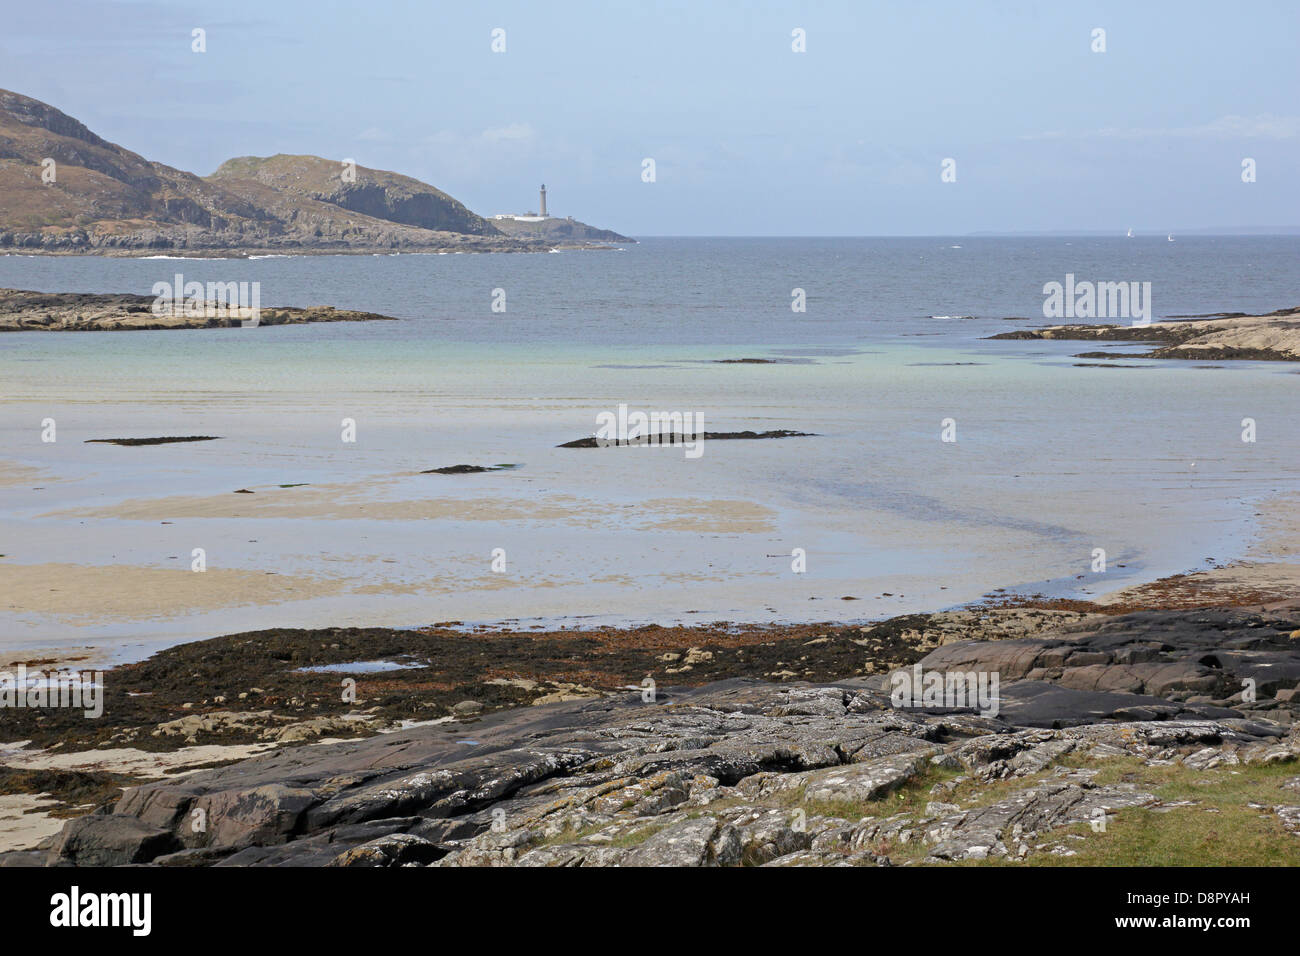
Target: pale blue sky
{"type": "Point", "coordinates": [749, 138]}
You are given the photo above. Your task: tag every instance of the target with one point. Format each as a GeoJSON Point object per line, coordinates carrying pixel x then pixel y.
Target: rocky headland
{"type": "Point", "coordinates": [66, 190]}
{"type": "Point", "coordinates": [1214, 337]}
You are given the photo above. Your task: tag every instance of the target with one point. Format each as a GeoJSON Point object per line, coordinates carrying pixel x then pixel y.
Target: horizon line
{"type": "Point", "coordinates": [1249, 233]}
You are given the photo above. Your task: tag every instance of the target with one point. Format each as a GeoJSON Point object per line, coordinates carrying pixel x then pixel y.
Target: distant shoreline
{"type": "Point", "coordinates": [508, 246]}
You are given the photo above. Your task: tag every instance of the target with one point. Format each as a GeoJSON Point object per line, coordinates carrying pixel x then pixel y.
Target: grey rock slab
{"type": "Point", "coordinates": [982, 832]}
{"type": "Point", "coordinates": [112, 840]}
{"type": "Point", "coordinates": [259, 815]}
{"type": "Point", "coordinates": [687, 843]}
{"type": "Point", "coordinates": [861, 782]}
{"type": "Point", "coordinates": [395, 849]}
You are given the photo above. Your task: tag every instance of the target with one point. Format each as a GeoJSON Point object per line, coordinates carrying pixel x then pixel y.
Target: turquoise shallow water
{"type": "Point", "coordinates": [1051, 460]}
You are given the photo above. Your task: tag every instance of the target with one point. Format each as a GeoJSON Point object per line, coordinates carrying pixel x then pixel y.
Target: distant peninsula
{"type": "Point", "coordinates": [65, 190]}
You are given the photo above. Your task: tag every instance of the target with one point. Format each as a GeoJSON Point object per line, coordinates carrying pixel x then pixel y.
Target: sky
{"type": "Point", "coordinates": [748, 136]}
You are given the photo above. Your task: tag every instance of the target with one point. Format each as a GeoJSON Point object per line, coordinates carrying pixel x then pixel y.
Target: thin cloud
{"type": "Point", "coordinates": [1264, 126]}
{"type": "Point", "coordinates": [515, 132]}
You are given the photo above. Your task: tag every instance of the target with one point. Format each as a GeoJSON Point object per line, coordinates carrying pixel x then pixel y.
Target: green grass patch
{"type": "Point", "coordinates": [1222, 829]}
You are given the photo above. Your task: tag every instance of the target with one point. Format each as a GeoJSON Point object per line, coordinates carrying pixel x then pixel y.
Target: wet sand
{"type": "Point", "coordinates": [1267, 574]}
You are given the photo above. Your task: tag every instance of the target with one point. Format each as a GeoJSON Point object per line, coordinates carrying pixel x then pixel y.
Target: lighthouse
{"type": "Point", "coordinates": [543, 200]}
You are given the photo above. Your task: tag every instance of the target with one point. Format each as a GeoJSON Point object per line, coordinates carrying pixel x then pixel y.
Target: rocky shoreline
{"type": "Point", "coordinates": [1119, 735]}
{"type": "Point", "coordinates": [26, 311]}
{"type": "Point", "coordinates": [1215, 337]}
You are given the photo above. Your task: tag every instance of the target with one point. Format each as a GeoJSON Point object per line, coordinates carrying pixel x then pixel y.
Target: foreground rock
{"type": "Point", "coordinates": [23, 311]}
{"type": "Point", "coordinates": [1273, 337]}
{"type": "Point", "coordinates": [738, 772]}
{"type": "Point", "coordinates": [1089, 715]}
{"type": "Point", "coordinates": [1146, 665]}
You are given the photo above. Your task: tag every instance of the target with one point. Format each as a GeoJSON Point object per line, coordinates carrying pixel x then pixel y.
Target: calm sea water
{"type": "Point", "coordinates": [721, 291]}
{"type": "Point", "coordinates": [1051, 460]}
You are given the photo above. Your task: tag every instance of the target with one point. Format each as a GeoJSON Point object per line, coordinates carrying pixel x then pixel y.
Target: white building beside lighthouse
{"type": "Point", "coordinates": [528, 216]}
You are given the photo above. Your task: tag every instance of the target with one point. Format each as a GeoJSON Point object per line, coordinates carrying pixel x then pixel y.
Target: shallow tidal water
{"type": "Point", "coordinates": [1051, 460]}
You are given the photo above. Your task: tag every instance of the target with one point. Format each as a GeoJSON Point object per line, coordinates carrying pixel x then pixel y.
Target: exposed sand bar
{"type": "Point", "coordinates": [94, 592]}
{"type": "Point", "coordinates": [14, 475]}
{"type": "Point", "coordinates": [363, 500]}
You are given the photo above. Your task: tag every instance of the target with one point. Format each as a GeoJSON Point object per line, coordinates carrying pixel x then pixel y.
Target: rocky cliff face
{"type": "Point", "coordinates": [108, 200]}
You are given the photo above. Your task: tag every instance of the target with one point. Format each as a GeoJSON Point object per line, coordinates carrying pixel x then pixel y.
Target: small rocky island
{"type": "Point", "coordinates": [1216, 336]}
{"type": "Point", "coordinates": [23, 311]}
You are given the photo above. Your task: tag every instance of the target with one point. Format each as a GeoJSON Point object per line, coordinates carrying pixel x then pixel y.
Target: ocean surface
{"type": "Point", "coordinates": [1052, 458]}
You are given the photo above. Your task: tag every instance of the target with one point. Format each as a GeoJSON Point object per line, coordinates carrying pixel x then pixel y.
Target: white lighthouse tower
{"type": "Point", "coordinates": [543, 209]}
